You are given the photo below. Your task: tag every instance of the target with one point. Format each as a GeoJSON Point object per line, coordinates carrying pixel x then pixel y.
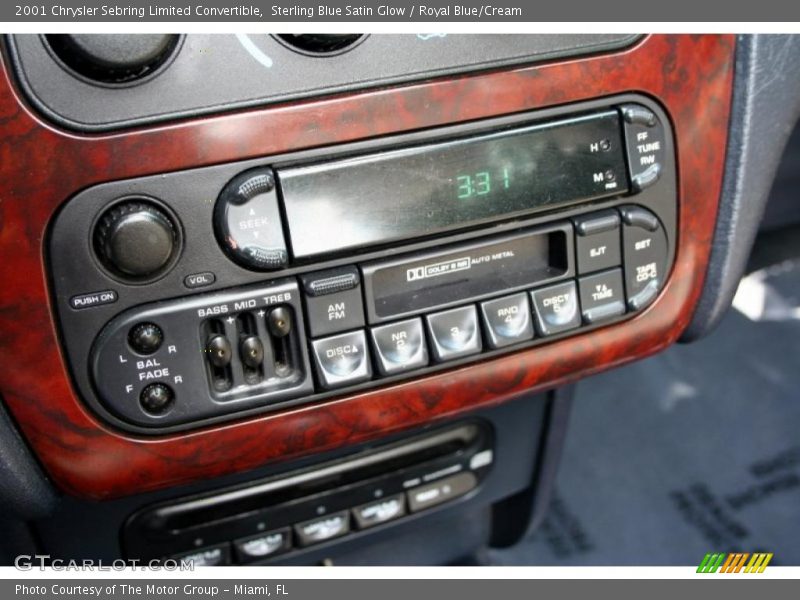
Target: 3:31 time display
{"type": "Point", "coordinates": [482, 183]}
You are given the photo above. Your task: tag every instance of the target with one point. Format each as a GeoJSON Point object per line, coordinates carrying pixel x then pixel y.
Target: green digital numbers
{"type": "Point", "coordinates": [465, 189]}
{"type": "Point", "coordinates": [483, 183]}
{"type": "Point", "coordinates": [479, 184]}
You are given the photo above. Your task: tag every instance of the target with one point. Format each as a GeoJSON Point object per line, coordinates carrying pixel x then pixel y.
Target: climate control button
{"type": "Point", "coordinates": [322, 529]}
{"type": "Point", "coordinates": [261, 546]}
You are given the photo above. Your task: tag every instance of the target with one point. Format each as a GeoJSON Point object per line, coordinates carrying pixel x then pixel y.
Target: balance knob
{"type": "Point", "coordinates": [136, 239]}
{"type": "Point", "coordinates": [114, 58]}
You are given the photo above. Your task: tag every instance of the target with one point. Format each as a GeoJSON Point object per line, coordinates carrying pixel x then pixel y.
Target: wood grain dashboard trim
{"type": "Point", "coordinates": [40, 167]}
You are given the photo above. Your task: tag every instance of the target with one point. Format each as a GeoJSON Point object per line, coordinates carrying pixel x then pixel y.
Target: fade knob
{"type": "Point", "coordinates": [156, 398]}
{"type": "Point", "coordinates": [136, 240]}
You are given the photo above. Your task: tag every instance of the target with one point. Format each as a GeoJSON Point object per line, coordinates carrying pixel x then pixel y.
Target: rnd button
{"type": "Point", "coordinates": [507, 320]}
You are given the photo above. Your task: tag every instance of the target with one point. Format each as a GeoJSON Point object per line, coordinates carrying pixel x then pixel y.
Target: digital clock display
{"type": "Point", "coordinates": [426, 189]}
{"type": "Point", "coordinates": [480, 183]}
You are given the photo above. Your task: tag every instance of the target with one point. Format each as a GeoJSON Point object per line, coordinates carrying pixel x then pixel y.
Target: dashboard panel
{"type": "Point", "coordinates": [93, 449]}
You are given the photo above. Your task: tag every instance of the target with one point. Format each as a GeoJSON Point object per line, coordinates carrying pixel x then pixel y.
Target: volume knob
{"type": "Point", "coordinates": [136, 239]}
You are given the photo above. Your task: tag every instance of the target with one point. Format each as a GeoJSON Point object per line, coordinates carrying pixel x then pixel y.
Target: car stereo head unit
{"type": "Point", "coordinates": [342, 268]}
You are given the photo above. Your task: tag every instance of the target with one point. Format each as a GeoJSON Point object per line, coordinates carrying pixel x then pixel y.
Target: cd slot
{"type": "Point", "coordinates": [176, 518]}
{"type": "Point", "coordinates": [463, 452]}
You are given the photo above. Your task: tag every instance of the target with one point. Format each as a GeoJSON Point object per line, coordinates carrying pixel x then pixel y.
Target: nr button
{"type": "Point", "coordinates": [400, 346]}
{"type": "Point", "coordinates": [597, 242]}
{"type": "Point", "coordinates": [507, 320]}
{"type": "Point", "coordinates": [342, 359]}
{"type": "Point", "coordinates": [602, 296]}
{"type": "Point", "coordinates": [454, 333]}
{"type": "Point", "coordinates": [556, 308]}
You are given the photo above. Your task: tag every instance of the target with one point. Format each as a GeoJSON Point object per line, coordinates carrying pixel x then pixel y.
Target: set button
{"type": "Point", "coordinates": [400, 346]}
{"type": "Point", "coordinates": [454, 333]}
{"type": "Point", "coordinates": [645, 247]}
{"type": "Point", "coordinates": [342, 359]}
